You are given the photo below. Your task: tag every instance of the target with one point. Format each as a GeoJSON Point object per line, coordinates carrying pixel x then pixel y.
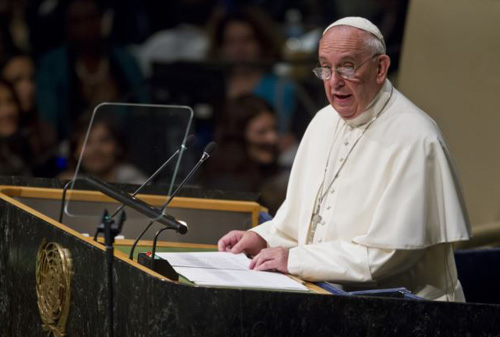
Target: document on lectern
{"type": "Point", "coordinates": [223, 269]}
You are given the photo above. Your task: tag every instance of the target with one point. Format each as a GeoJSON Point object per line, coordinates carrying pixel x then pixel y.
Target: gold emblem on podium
{"type": "Point", "coordinates": [53, 287]}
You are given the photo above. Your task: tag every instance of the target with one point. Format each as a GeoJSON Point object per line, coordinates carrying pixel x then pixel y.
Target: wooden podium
{"type": "Point", "coordinates": [67, 293]}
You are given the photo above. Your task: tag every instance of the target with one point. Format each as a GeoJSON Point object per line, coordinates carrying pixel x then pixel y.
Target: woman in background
{"type": "Point", "coordinates": [104, 154]}
{"type": "Point", "coordinates": [244, 40]}
{"type": "Point", "coordinates": [248, 151]}
{"type": "Point", "coordinates": [19, 71]}
{"type": "Point", "coordinates": [88, 70]}
{"type": "Point", "coordinates": [15, 151]}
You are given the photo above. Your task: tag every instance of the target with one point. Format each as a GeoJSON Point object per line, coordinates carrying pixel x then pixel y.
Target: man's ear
{"type": "Point", "coordinates": [384, 62]}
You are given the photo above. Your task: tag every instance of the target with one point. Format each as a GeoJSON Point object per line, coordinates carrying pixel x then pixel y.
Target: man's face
{"type": "Point", "coordinates": [344, 46]}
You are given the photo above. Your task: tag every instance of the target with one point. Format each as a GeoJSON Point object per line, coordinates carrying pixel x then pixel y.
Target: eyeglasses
{"type": "Point", "coordinates": [346, 72]}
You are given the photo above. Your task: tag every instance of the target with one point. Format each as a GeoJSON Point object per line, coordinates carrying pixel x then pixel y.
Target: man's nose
{"type": "Point", "coordinates": [336, 81]}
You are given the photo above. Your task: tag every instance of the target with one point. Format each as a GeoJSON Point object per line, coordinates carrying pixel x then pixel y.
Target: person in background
{"type": "Point", "coordinates": [19, 71]}
{"type": "Point", "coordinates": [243, 39]}
{"type": "Point", "coordinates": [248, 150]}
{"type": "Point", "coordinates": [15, 152]}
{"type": "Point", "coordinates": [11, 34]}
{"type": "Point", "coordinates": [74, 78]}
{"type": "Point", "coordinates": [105, 153]}
{"type": "Point", "coordinates": [187, 41]}
{"type": "Point", "coordinates": [14, 21]}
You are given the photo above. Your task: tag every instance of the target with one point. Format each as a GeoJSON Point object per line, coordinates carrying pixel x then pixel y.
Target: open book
{"type": "Point", "coordinates": [225, 269]}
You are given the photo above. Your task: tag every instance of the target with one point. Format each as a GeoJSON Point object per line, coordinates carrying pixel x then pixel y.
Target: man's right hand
{"type": "Point", "coordinates": [247, 242]}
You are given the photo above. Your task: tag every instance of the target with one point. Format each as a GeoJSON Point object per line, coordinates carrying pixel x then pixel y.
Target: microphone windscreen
{"type": "Point", "coordinates": [210, 148]}
{"type": "Point", "coordinates": [184, 228]}
{"type": "Point", "coordinates": [190, 141]}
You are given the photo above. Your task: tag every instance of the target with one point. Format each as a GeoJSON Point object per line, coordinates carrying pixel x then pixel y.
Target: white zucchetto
{"type": "Point", "coordinates": [360, 23]}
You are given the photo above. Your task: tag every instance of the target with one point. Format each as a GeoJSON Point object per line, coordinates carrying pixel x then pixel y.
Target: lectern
{"type": "Point", "coordinates": [67, 293]}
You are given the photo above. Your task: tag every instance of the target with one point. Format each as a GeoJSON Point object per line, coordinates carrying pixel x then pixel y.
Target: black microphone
{"type": "Point", "coordinates": [190, 141]}
{"type": "Point", "coordinates": [207, 152]}
{"type": "Point", "coordinates": [137, 204]}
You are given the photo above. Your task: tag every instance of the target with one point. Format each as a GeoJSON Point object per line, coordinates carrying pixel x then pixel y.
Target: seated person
{"type": "Point", "coordinates": [104, 154]}
{"type": "Point", "coordinates": [244, 40]}
{"type": "Point", "coordinates": [248, 150]}
{"type": "Point", "coordinates": [88, 70]}
{"type": "Point", "coordinates": [15, 151]}
{"type": "Point", "coordinates": [20, 72]}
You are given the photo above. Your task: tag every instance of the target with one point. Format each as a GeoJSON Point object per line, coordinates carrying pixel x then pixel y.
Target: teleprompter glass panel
{"type": "Point", "coordinates": [126, 143]}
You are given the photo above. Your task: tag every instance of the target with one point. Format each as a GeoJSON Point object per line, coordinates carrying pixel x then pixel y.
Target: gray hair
{"type": "Point", "coordinates": [373, 44]}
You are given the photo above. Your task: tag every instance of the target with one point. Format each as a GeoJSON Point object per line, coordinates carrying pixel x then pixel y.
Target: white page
{"type": "Point", "coordinates": [226, 269]}
{"type": "Point", "coordinates": [240, 278]}
{"type": "Point", "coordinates": [209, 260]}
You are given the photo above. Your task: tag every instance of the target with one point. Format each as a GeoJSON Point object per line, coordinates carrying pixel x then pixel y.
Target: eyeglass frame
{"type": "Point", "coordinates": [316, 71]}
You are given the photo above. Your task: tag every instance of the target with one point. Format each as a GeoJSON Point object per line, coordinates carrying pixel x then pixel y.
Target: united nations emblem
{"type": "Point", "coordinates": [53, 287]}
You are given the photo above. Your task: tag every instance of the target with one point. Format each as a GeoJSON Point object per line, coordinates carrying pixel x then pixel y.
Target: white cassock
{"type": "Point", "coordinates": [390, 217]}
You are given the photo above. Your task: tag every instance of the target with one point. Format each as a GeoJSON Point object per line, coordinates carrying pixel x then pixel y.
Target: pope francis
{"type": "Point", "coordinates": [373, 199]}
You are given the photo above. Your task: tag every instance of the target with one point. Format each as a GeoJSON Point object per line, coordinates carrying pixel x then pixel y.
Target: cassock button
{"type": "Point", "coordinates": [320, 240]}
{"type": "Point", "coordinates": [341, 160]}
{"type": "Point", "coordinates": [329, 208]}
{"type": "Point", "coordinates": [332, 191]}
{"type": "Point", "coordinates": [346, 143]}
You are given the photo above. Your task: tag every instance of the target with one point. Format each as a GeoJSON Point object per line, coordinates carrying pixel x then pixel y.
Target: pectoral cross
{"type": "Point", "coordinates": [316, 218]}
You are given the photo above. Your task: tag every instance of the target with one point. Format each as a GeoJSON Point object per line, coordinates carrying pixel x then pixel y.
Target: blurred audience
{"type": "Point", "coordinates": [104, 154]}
{"type": "Point", "coordinates": [45, 18]}
{"type": "Point", "coordinates": [15, 151]}
{"type": "Point", "coordinates": [13, 17]}
{"type": "Point", "coordinates": [244, 39]}
{"type": "Point", "coordinates": [19, 71]}
{"type": "Point", "coordinates": [129, 21]}
{"type": "Point", "coordinates": [187, 41]}
{"type": "Point", "coordinates": [61, 58]}
{"type": "Point", "coordinates": [7, 46]}
{"type": "Point", "coordinates": [247, 158]}
{"type": "Point", "coordinates": [74, 78]}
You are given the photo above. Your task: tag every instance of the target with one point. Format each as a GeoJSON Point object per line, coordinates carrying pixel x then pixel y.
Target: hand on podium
{"type": "Point", "coordinates": [246, 242]}
{"type": "Point", "coordinates": [274, 259]}
{"type": "Point", "coordinates": [253, 244]}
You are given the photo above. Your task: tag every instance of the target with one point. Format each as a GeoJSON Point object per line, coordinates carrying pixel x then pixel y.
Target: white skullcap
{"type": "Point", "coordinates": [360, 23]}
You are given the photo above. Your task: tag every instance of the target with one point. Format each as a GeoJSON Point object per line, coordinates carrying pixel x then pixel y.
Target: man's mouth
{"type": "Point", "coordinates": [341, 98]}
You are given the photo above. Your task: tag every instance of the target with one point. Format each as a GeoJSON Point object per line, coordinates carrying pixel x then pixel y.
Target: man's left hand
{"type": "Point", "coordinates": [271, 259]}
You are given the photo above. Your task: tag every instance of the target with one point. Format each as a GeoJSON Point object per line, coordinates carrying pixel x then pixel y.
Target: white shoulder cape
{"type": "Point", "coordinates": [398, 190]}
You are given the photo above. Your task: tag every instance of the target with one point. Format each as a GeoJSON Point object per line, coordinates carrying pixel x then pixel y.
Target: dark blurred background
{"type": "Point", "coordinates": [243, 66]}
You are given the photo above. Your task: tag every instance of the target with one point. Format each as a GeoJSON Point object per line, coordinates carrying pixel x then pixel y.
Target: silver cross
{"type": "Point", "coordinates": [316, 219]}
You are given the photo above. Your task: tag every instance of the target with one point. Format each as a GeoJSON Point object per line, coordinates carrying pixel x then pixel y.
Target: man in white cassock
{"type": "Point", "coordinates": [373, 199]}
